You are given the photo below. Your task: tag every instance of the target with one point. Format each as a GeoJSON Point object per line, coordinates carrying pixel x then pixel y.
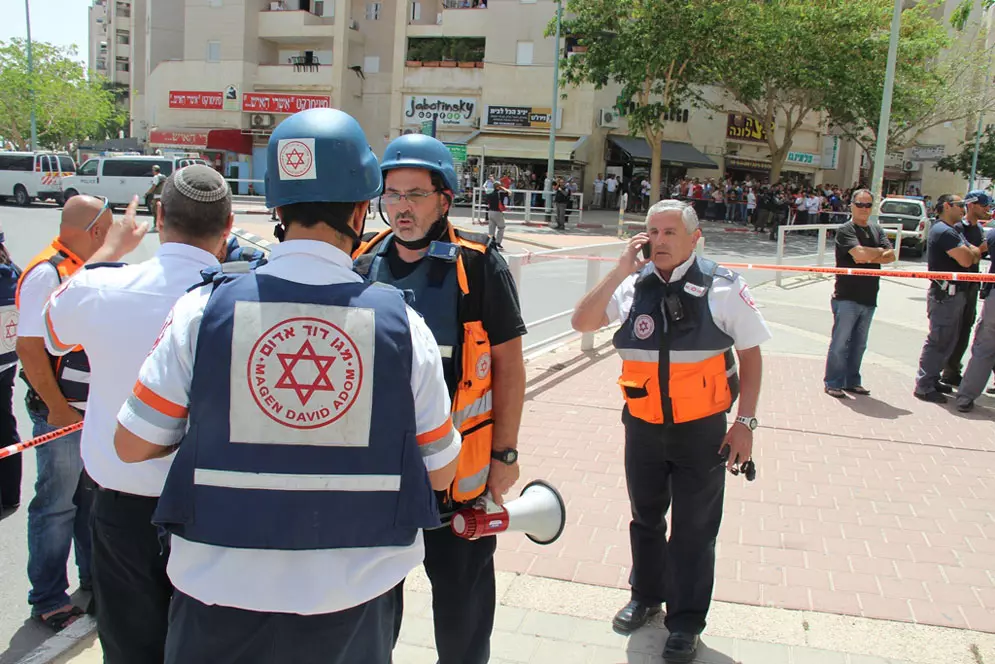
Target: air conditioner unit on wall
{"type": "Point", "coordinates": [261, 120]}
{"type": "Point", "coordinates": [609, 117]}
{"type": "Point", "coordinates": [910, 166]}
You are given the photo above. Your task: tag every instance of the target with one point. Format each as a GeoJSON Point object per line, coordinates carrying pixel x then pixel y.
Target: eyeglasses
{"type": "Point", "coordinates": [863, 205]}
{"type": "Point", "coordinates": [959, 203]}
{"type": "Point", "coordinates": [413, 197]}
{"type": "Point", "coordinates": [103, 208]}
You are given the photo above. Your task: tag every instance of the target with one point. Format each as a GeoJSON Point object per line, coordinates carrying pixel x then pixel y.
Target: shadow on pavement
{"type": "Point", "coordinates": [651, 639]}
{"type": "Point", "coordinates": [32, 634]}
{"type": "Point", "coordinates": [875, 408]}
{"type": "Point", "coordinates": [579, 363]}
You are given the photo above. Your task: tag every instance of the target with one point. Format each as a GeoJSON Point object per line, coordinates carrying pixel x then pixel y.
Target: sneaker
{"type": "Point", "coordinates": [931, 397]}
{"type": "Point", "coordinates": [990, 390]}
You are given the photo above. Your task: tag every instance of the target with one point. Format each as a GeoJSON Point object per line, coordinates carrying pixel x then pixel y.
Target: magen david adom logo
{"type": "Point", "coordinates": [305, 373]}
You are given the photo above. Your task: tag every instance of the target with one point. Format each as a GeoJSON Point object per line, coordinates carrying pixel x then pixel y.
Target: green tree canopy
{"type": "Point", "coordinates": [69, 106]}
{"type": "Point", "coordinates": [961, 161]}
{"type": "Point", "coordinates": [655, 50]}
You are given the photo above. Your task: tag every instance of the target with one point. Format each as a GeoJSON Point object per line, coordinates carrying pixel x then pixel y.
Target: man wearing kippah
{"type": "Point", "coordinates": [116, 312]}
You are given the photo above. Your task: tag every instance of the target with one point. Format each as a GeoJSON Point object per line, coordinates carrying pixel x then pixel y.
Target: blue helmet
{"type": "Point", "coordinates": [420, 151]}
{"type": "Point", "coordinates": [320, 156]}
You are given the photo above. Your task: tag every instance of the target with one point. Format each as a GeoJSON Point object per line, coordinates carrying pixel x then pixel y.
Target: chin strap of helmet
{"type": "Point", "coordinates": [436, 232]}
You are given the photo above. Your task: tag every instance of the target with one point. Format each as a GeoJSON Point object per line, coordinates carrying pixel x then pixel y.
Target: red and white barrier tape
{"type": "Point", "coordinates": [17, 448]}
{"type": "Point", "coordinates": [530, 258]}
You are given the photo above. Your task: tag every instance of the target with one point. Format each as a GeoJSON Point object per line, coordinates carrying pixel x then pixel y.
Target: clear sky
{"type": "Point", "coordinates": [60, 22]}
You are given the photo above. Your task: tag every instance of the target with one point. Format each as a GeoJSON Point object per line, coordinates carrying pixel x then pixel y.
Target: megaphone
{"type": "Point", "coordinates": [539, 512]}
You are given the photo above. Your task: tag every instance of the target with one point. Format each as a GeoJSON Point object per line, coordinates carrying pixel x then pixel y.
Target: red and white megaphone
{"type": "Point", "coordinates": [539, 512]}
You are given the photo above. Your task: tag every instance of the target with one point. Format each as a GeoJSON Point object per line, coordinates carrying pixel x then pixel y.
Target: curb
{"type": "Point", "coordinates": [61, 643]}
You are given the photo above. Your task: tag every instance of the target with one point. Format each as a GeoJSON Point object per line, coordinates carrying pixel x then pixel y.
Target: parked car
{"type": "Point", "coordinates": [119, 179]}
{"type": "Point", "coordinates": [28, 176]}
{"type": "Point", "coordinates": [910, 212]}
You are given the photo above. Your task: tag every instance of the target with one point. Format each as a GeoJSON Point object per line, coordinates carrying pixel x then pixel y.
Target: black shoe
{"type": "Point", "coordinates": [931, 397]}
{"type": "Point", "coordinates": [965, 406]}
{"type": "Point", "coordinates": [681, 647]}
{"type": "Point", "coordinates": [633, 615]}
{"type": "Point", "coordinates": [944, 389]}
{"type": "Point", "coordinates": [953, 380]}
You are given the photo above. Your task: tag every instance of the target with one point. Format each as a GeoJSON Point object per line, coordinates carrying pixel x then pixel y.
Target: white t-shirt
{"type": "Point", "coordinates": [813, 204]}
{"type": "Point", "coordinates": [751, 201]}
{"type": "Point", "coordinates": [599, 185]}
{"type": "Point", "coordinates": [730, 303]}
{"type": "Point", "coordinates": [116, 314]}
{"type": "Point", "coordinates": [304, 582]}
{"type": "Point", "coordinates": [36, 287]}
{"type": "Point", "coordinates": [611, 184]}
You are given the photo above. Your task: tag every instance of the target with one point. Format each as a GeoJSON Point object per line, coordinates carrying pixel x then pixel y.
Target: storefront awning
{"type": "Point", "coordinates": [232, 140]}
{"type": "Point", "coordinates": [508, 146]}
{"type": "Point", "coordinates": [674, 153]}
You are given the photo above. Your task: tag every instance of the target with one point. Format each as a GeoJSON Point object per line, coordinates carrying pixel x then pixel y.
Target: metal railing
{"type": "Point", "coordinates": [529, 203]}
{"type": "Point", "coordinates": [822, 229]}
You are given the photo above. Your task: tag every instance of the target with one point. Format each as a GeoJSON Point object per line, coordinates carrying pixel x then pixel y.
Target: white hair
{"type": "Point", "coordinates": [688, 215]}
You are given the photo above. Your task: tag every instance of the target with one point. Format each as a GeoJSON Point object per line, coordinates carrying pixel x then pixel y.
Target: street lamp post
{"type": "Point", "coordinates": [31, 79]}
{"type": "Point", "coordinates": [889, 85]}
{"type": "Point", "coordinates": [551, 161]}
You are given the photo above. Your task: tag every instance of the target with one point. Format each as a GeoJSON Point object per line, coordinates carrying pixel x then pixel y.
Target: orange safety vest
{"type": "Point", "coordinates": [472, 409]}
{"type": "Point", "coordinates": [677, 364]}
{"type": "Point", "coordinates": [66, 263]}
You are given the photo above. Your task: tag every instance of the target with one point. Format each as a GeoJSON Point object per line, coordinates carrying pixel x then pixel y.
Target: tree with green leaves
{"type": "Point", "coordinates": [657, 51]}
{"type": "Point", "coordinates": [938, 80]}
{"type": "Point", "coordinates": [961, 161]}
{"type": "Point", "coordinates": [69, 106]}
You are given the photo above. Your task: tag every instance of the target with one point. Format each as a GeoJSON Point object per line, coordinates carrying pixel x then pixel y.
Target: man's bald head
{"type": "Point", "coordinates": [85, 221]}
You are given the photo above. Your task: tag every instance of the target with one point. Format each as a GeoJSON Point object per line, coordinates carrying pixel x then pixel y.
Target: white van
{"type": "Point", "coordinates": [26, 176]}
{"type": "Point", "coordinates": [119, 179]}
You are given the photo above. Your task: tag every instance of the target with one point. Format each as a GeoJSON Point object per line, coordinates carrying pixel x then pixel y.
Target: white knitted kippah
{"type": "Point", "coordinates": [200, 183]}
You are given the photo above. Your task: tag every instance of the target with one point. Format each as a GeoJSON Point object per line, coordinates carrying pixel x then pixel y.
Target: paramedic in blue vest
{"type": "Point", "coordinates": [310, 422]}
{"type": "Point", "coordinates": [10, 467]}
{"type": "Point", "coordinates": [232, 252]}
{"type": "Point", "coordinates": [463, 288]}
{"type": "Point", "coordinates": [681, 317]}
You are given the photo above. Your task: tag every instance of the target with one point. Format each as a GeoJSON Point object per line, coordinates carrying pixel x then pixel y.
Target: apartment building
{"type": "Point", "coordinates": [110, 45]}
{"type": "Point", "coordinates": [217, 76]}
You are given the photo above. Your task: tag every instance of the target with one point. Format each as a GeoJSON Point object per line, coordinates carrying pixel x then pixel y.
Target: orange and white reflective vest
{"type": "Point", "coordinates": [441, 284]}
{"type": "Point", "coordinates": [72, 371]}
{"type": "Point", "coordinates": [677, 365]}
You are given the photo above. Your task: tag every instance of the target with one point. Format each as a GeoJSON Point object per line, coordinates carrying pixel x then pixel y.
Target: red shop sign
{"type": "Point", "coordinates": [210, 101]}
{"type": "Point", "coordinates": [177, 138]}
{"type": "Point", "coordinates": [271, 102]}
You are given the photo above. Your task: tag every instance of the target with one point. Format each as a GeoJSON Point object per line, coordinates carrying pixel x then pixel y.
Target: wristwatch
{"type": "Point", "coordinates": [508, 457]}
{"type": "Point", "coordinates": [750, 422]}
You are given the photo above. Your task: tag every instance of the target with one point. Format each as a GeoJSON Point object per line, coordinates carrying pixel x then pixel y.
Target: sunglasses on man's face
{"type": "Point", "coordinates": [103, 208]}
{"type": "Point", "coordinates": [863, 205]}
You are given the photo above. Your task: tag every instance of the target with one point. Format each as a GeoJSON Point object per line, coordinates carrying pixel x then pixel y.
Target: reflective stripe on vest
{"type": "Point", "coordinates": [676, 371]}
{"type": "Point", "coordinates": [288, 446]}
{"type": "Point", "coordinates": [465, 351]}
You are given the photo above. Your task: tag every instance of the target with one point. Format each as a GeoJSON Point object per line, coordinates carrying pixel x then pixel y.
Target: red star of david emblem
{"type": "Point", "coordinates": [644, 326]}
{"type": "Point", "coordinates": [10, 332]}
{"type": "Point", "coordinates": [295, 158]}
{"type": "Point", "coordinates": [288, 380]}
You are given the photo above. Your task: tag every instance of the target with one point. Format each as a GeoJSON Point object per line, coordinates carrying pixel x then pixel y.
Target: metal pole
{"type": "Point", "coordinates": [889, 84]}
{"type": "Point", "coordinates": [981, 118]}
{"type": "Point", "coordinates": [31, 79]}
{"type": "Point", "coordinates": [551, 162]}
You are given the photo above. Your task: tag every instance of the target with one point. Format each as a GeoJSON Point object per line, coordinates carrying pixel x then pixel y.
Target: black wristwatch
{"type": "Point", "coordinates": [508, 456]}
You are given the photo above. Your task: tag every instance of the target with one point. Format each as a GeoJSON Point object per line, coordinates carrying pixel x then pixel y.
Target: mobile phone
{"type": "Point", "coordinates": [646, 250]}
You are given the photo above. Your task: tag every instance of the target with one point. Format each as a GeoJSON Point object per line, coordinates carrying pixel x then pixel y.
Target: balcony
{"type": "Point", "coordinates": [452, 18]}
{"type": "Point", "coordinates": [295, 26]}
{"type": "Point", "coordinates": [461, 78]}
{"type": "Point", "coordinates": [281, 77]}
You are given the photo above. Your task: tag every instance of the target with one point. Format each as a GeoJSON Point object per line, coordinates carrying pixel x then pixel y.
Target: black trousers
{"type": "Point", "coordinates": [463, 595]}
{"type": "Point", "coordinates": [209, 634]}
{"type": "Point", "coordinates": [129, 579]}
{"type": "Point", "coordinates": [675, 467]}
{"type": "Point", "coordinates": [10, 467]}
{"type": "Point", "coordinates": [953, 366]}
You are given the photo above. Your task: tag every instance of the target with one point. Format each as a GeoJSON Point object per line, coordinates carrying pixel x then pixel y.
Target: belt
{"type": "Point", "coordinates": [121, 495]}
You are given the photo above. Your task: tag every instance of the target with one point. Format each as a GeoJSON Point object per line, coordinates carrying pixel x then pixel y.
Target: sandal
{"type": "Point", "coordinates": [59, 621]}
{"type": "Point", "coordinates": [858, 389]}
{"type": "Point", "coordinates": [835, 392]}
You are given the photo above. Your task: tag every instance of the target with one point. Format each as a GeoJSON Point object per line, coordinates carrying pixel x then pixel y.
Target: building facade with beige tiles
{"type": "Point", "coordinates": [216, 76]}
